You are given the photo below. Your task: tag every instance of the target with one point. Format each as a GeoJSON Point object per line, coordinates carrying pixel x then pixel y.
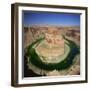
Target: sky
{"type": "Point", "coordinates": [47, 18]}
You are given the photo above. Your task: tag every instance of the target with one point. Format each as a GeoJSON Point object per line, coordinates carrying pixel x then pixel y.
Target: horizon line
{"type": "Point", "coordinates": [51, 25]}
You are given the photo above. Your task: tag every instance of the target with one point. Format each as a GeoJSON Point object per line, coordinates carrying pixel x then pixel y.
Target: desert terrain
{"type": "Point", "coordinates": [32, 33]}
